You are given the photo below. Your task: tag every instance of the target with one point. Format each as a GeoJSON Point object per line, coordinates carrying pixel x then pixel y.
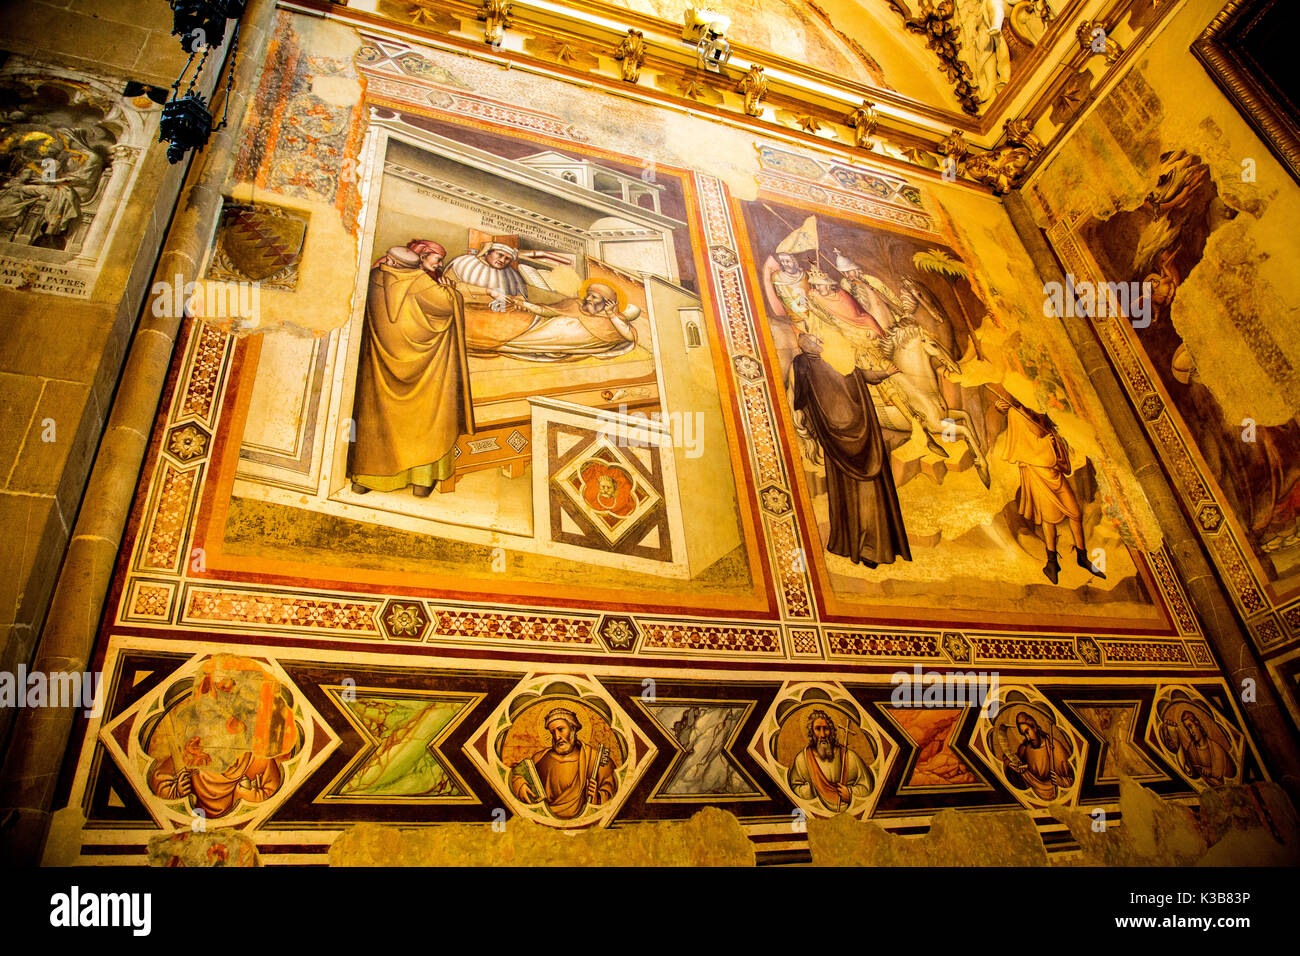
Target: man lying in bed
{"type": "Point", "coordinates": [507, 315]}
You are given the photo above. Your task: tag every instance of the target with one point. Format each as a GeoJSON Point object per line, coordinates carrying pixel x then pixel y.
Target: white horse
{"type": "Point", "coordinates": [913, 350]}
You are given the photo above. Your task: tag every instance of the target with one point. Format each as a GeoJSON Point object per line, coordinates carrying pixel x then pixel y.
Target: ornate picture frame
{"type": "Point", "coordinates": [1233, 49]}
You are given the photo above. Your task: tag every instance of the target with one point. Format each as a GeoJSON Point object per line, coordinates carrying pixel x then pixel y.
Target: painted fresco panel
{"type": "Point", "coordinates": [1213, 374]}
{"type": "Point", "coordinates": [574, 613]}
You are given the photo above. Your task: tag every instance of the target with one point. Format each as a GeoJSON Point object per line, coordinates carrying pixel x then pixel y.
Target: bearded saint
{"type": "Point", "coordinates": [572, 774]}
{"type": "Point", "coordinates": [836, 412]}
{"type": "Point", "coordinates": [412, 400]}
{"type": "Point", "coordinates": [826, 771]}
{"type": "Point", "coordinates": [786, 283]}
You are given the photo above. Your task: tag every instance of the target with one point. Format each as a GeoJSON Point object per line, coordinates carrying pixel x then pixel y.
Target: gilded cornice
{"type": "Point", "coordinates": [798, 104]}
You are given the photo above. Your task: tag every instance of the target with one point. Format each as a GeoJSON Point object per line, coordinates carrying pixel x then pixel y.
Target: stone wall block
{"type": "Point", "coordinates": [51, 336]}
{"type": "Point", "coordinates": [143, 13]}
{"type": "Point", "coordinates": [67, 415]}
{"type": "Point", "coordinates": [40, 749]}
{"type": "Point", "coordinates": [18, 397]}
{"type": "Point", "coordinates": [22, 835]}
{"type": "Point", "coordinates": [955, 839]}
{"type": "Point", "coordinates": [39, 574]}
{"type": "Point", "coordinates": [32, 532]}
{"type": "Point", "coordinates": [712, 837]}
{"type": "Point", "coordinates": [160, 58]}
{"type": "Point", "coordinates": [117, 340]}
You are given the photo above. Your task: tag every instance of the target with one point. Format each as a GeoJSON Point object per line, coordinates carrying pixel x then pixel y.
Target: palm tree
{"type": "Point", "coordinates": [940, 263]}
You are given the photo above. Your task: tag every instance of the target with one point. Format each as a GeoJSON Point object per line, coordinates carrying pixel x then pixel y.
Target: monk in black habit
{"type": "Point", "coordinates": [866, 522]}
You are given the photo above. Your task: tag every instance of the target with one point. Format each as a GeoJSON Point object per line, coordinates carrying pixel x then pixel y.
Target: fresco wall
{"type": "Point", "coordinates": [586, 464]}
{"type": "Point", "coordinates": [1164, 183]}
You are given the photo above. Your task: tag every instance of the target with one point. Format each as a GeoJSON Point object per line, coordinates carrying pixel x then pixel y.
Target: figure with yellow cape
{"type": "Point", "coordinates": [412, 398]}
{"type": "Point", "coordinates": [1046, 495]}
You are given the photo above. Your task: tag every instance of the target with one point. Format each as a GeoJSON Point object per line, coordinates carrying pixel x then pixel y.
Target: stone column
{"type": "Point", "coordinates": [124, 158]}
{"type": "Point", "coordinates": [41, 736]}
{"type": "Point", "coordinates": [1268, 719]}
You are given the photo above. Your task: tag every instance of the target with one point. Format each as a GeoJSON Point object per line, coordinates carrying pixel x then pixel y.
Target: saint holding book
{"type": "Point", "coordinates": [568, 775]}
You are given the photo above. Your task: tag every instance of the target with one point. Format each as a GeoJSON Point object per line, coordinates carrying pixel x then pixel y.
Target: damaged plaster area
{"type": "Point", "coordinates": [1233, 826]}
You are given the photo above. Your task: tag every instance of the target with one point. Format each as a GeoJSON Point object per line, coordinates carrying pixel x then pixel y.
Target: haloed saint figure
{"type": "Point", "coordinates": [827, 771]}
{"type": "Point", "coordinates": [569, 775]}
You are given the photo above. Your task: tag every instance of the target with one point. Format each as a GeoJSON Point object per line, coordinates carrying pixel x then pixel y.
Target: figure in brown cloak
{"type": "Point", "coordinates": [1042, 761]}
{"type": "Point", "coordinates": [412, 400]}
{"type": "Point", "coordinates": [866, 524]}
{"type": "Point", "coordinates": [572, 774]}
{"type": "Point", "coordinates": [225, 741]}
{"type": "Point", "coordinates": [1201, 755]}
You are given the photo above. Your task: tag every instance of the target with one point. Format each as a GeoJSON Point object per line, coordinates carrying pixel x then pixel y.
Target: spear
{"type": "Point", "coordinates": [844, 763]}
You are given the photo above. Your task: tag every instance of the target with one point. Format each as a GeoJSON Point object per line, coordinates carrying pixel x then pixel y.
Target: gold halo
{"type": "Point", "coordinates": [1209, 723]}
{"type": "Point", "coordinates": [618, 293]}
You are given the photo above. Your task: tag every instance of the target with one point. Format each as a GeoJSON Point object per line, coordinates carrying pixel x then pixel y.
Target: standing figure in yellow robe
{"type": "Point", "coordinates": [412, 399]}
{"type": "Point", "coordinates": [1046, 496]}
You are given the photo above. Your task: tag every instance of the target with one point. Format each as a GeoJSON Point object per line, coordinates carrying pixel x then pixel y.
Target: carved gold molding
{"type": "Point", "coordinates": [934, 20]}
{"type": "Point", "coordinates": [1216, 50]}
{"type": "Point", "coordinates": [631, 54]}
